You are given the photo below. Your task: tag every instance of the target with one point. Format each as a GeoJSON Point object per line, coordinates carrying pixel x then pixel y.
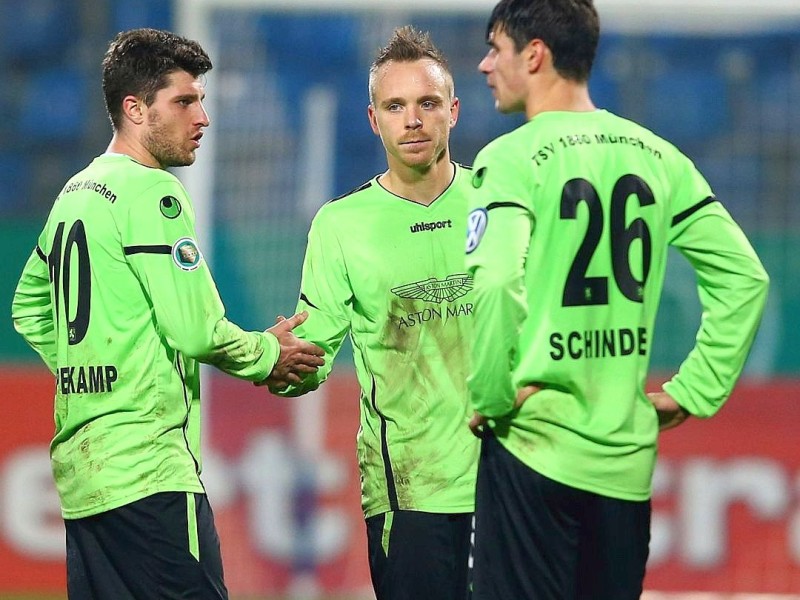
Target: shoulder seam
{"type": "Point", "coordinates": [360, 188]}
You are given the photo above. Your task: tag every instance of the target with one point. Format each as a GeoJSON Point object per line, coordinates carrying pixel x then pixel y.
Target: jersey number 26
{"type": "Point", "coordinates": [582, 290]}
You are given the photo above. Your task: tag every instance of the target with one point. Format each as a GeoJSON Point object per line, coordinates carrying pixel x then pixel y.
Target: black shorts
{"type": "Point", "coordinates": [538, 539]}
{"type": "Point", "coordinates": [418, 555]}
{"type": "Point", "coordinates": [162, 547]}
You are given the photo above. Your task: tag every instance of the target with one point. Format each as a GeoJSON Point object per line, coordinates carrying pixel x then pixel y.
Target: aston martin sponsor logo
{"type": "Point", "coordinates": [436, 290]}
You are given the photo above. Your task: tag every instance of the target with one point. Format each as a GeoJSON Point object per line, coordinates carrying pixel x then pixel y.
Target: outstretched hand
{"type": "Point", "coordinates": [297, 357]}
{"type": "Point", "coordinates": [670, 413]}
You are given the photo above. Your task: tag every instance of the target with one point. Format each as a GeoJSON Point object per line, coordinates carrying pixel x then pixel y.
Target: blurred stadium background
{"type": "Point", "coordinates": [288, 101]}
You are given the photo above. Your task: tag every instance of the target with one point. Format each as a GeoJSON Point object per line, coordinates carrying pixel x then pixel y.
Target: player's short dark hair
{"type": "Point", "coordinates": [570, 28]}
{"type": "Point", "coordinates": [408, 45]}
{"type": "Point", "coordinates": [138, 62]}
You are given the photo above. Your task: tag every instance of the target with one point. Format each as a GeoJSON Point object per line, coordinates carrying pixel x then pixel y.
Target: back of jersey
{"type": "Point", "coordinates": [125, 400]}
{"type": "Point", "coordinates": [601, 196]}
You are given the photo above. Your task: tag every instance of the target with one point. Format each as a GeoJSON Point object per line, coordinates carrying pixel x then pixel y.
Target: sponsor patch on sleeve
{"type": "Point", "coordinates": [476, 226]}
{"type": "Point", "coordinates": [477, 178]}
{"type": "Point", "coordinates": [186, 254]}
{"type": "Point", "coordinates": [170, 207]}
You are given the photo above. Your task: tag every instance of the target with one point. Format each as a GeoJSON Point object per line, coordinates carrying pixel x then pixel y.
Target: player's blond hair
{"type": "Point", "coordinates": [408, 45]}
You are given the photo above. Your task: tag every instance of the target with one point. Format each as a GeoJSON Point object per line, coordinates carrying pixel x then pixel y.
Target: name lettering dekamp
{"type": "Point", "coordinates": [86, 380]}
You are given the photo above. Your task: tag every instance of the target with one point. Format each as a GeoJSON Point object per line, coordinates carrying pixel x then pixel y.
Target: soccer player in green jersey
{"type": "Point", "coordinates": [385, 263]}
{"type": "Point", "coordinates": [571, 216]}
{"type": "Point", "coordinates": [118, 301]}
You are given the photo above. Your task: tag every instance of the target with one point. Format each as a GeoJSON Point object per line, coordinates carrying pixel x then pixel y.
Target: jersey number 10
{"type": "Point", "coordinates": [60, 265]}
{"type": "Point", "coordinates": [582, 290]}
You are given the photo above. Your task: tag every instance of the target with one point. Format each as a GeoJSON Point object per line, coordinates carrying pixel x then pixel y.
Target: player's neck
{"type": "Point", "coordinates": [122, 143]}
{"type": "Point", "coordinates": [420, 186]}
{"type": "Point", "coordinates": [559, 95]}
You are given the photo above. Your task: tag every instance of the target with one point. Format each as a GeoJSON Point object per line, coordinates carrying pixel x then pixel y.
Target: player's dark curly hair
{"type": "Point", "coordinates": [408, 45]}
{"type": "Point", "coordinates": [570, 28]}
{"type": "Point", "coordinates": [138, 61]}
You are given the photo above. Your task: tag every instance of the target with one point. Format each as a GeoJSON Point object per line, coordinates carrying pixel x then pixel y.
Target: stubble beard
{"type": "Point", "coordinates": [166, 153]}
{"type": "Point", "coordinates": [425, 162]}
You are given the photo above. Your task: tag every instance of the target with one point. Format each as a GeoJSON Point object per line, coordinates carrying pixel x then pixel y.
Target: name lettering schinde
{"type": "Point", "coordinates": [86, 380]}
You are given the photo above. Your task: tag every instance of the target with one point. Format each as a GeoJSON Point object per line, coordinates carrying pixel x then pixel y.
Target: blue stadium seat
{"type": "Point", "coordinates": [686, 97]}
{"type": "Point", "coordinates": [768, 94]}
{"type": "Point", "coordinates": [771, 51]}
{"type": "Point", "coordinates": [53, 107]}
{"type": "Point", "coordinates": [8, 108]}
{"type": "Point", "coordinates": [40, 31]}
{"type": "Point", "coordinates": [15, 173]}
{"type": "Point", "coordinates": [611, 58]}
{"type": "Point", "coordinates": [687, 105]}
{"type": "Point", "coordinates": [462, 38]}
{"type": "Point", "coordinates": [736, 182]}
{"type": "Point", "coordinates": [132, 14]}
{"type": "Point", "coordinates": [774, 86]}
{"type": "Point", "coordinates": [604, 90]}
{"type": "Point", "coordinates": [478, 119]}
{"type": "Point", "coordinates": [319, 43]}
{"type": "Point", "coordinates": [689, 51]}
{"type": "Point", "coordinates": [778, 99]}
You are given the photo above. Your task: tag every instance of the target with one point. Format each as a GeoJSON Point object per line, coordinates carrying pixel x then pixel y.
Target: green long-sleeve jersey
{"type": "Point", "coordinates": [390, 272]}
{"type": "Point", "coordinates": [571, 217]}
{"type": "Point", "coordinates": [119, 303]}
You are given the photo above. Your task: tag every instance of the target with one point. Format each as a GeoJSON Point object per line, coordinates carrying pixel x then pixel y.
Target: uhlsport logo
{"type": "Point", "coordinates": [476, 226]}
{"type": "Point", "coordinates": [436, 290]}
{"type": "Point", "coordinates": [431, 226]}
{"type": "Point", "coordinates": [186, 254]}
{"type": "Point", "coordinates": [170, 207]}
{"type": "Point", "coordinates": [478, 177]}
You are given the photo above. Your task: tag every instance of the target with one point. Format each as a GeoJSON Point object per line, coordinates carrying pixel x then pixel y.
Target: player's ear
{"type": "Point", "coordinates": [534, 54]}
{"type": "Point", "coordinates": [373, 120]}
{"type": "Point", "coordinates": [133, 109]}
{"type": "Point", "coordinates": [455, 107]}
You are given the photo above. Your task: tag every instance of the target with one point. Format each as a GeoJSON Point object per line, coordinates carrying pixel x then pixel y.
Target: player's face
{"type": "Point", "coordinates": [506, 73]}
{"type": "Point", "coordinates": [175, 121]}
{"type": "Point", "coordinates": [413, 110]}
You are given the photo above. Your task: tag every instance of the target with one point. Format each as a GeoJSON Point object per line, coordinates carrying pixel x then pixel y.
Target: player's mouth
{"type": "Point", "coordinates": [414, 143]}
{"type": "Point", "coordinates": [196, 139]}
